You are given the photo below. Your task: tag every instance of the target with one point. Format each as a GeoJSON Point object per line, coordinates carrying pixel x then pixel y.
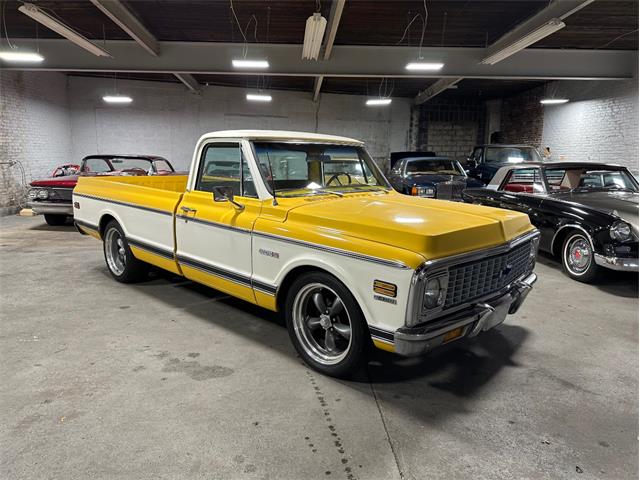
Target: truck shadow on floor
{"type": "Point", "coordinates": [460, 368]}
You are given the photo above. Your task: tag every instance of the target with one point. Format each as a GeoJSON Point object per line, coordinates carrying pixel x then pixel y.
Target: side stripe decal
{"type": "Point", "coordinates": [125, 204]}
{"type": "Point", "coordinates": [381, 334]}
{"type": "Point", "coordinates": [168, 254]}
{"type": "Point", "coordinates": [315, 246]}
{"type": "Point", "coordinates": [88, 225]}
{"type": "Point", "coordinates": [337, 251]}
{"type": "Point", "coordinates": [213, 224]}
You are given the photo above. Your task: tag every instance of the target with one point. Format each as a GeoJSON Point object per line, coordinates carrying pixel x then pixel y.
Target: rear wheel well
{"type": "Point", "coordinates": [104, 221]}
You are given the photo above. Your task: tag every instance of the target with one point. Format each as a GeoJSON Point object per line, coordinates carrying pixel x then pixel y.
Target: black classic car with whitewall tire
{"type": "Point", "coordinates": [587, 213]}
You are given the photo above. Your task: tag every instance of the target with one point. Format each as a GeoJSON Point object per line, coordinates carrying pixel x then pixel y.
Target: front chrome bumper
{"type": "Point", "coordinates": [51, 208]}
{"type": "Point", "coordinates": [480, 317]}
{"type": "Point", "coordinates": [617, 263]}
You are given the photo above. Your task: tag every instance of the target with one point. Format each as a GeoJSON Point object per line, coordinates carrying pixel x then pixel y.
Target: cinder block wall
{"type": "Point", "coordinates": [599, 124]}
{"type": "Point", "coordinates": [35, 130]}
{"type": "Point", "coordinates": [167, 120]}
{"type": "Point", "coordinates": [451, 127]}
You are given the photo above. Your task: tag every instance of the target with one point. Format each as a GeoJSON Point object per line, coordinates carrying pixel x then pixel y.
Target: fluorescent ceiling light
{"type": "Point", "coordinates": [60, 28]}
{"type": "Point", "coordinates": [523, 42]}
{"type": "Point", "coordinates": [424, 66]}
{"type": "Point", "coordinates": [250, 63]}
{"type": "Point", "coordinates": [117, 99]}
{"type": "Point", "coordinates": [553, 101]}
{"type": "Point", "coordinates": [313, 33]}
{"type": "Point", "coordinates": [254, 97]}
{"type": "Point", "coordinates": [378, 101]}
{"type": "Point", "coordinates": [26, 57]}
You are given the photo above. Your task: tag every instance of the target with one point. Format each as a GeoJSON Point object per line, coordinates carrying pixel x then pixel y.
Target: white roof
{"type": "Point", "coordinates": [280, 135]}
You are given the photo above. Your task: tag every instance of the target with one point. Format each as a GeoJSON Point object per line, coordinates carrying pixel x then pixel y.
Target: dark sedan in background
{"type": "Point", "coordinates": [587, 213]}
{"type": "Point", "coordinates": [430, 176]}
{"type": "Point", "coordinates": [485, 160]}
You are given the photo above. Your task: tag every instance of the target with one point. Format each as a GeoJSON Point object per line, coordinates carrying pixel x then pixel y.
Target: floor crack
{"type": "Point", "coordinates": [384, 425]}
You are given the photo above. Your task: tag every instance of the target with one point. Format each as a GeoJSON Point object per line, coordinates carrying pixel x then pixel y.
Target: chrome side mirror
{"type": "Point", "coordinates": [225, 194]}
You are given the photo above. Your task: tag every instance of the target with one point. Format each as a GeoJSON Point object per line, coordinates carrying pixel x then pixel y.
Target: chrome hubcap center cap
{"type": "Point", "coordinates": [325, 321]}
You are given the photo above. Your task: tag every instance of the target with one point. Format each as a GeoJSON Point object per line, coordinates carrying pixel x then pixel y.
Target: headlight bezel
{"type": "Point", "coordinates": [43, 194]}
{"type": "Point", "coordinates": [621, 236]}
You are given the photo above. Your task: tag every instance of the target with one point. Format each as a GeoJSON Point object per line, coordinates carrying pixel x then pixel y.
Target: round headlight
{"type": "Point", "coordinates": [433, 293]}
{"type": "Point", "coordinates": [620, 231]}
{"type": "Point", "coordinates": [43, 194]}
{"type": "Point", "coordinates": [33, 193]}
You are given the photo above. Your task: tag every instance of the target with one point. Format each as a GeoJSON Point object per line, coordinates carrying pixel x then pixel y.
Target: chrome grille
{"type": "Point", "coordinates": [472, 280]}
{"type": "Point", "coordinates": [450, 190]}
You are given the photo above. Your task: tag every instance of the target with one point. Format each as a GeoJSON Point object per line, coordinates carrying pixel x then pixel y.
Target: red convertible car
{"type": "Point", "coordinates": [52, 196]}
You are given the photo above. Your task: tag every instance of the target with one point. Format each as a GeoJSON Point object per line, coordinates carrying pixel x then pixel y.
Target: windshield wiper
{"type": "Point", "coordinates": [322, 190]}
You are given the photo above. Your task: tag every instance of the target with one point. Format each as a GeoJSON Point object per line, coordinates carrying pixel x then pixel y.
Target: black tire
{"type": "Point", "coordinates": [356, 353]}
{"type": "Point", "coordinates": [572, 267]}
{"type": "Point", "coordinates": [132, 270]}
{"type": "Point", "coordinates": [55, 220]}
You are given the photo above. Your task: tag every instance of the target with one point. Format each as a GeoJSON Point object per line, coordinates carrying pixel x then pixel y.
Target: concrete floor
{"type": "Point", "coordinates": [166, 379]}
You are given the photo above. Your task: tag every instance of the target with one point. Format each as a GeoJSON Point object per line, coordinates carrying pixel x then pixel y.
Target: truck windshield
{"type": "Point", "coordinates": [511, 155]}
{"type": "Point", "coordinates": [309, 168]}
{"type": "Point", "coordinates": [433, 166]}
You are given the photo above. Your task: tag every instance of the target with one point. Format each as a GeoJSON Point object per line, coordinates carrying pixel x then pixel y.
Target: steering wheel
{"type": "Point", "coordinates": [335, 177]}
{"type": "Point", "coordinates": [612, 185]}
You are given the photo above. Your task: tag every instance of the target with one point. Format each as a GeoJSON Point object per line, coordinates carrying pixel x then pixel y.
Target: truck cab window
{"type": "Point", "coordinates": [223, 165]}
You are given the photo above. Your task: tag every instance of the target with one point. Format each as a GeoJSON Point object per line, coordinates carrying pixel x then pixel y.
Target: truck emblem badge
{"type": "Point", "coordinates": [268, 253]}
{"type": "Point", "coordinates": [506, 270]}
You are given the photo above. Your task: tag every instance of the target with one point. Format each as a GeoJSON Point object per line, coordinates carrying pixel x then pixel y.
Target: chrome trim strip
{"type": "Point", "coordinates": [619, 264]}
{"type": "Point", "coordinates": [421, 272]}
{"type": "Point", "coordinates": [210, 223]}
{"type": "Point", "coordinates": [125, 204]}
{"type": "Point", "coordinates": [337, 251]}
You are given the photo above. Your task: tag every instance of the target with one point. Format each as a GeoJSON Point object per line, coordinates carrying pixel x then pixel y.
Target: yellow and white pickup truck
{"type": "Point", "coordinates": [307, 224]}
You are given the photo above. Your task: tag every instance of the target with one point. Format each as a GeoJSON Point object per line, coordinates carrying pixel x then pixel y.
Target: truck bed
{"type": "Point", "coordinates": [144, 206]}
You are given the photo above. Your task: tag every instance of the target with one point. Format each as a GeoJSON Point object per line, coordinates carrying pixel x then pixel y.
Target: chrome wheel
{"type": "Point", "coordinates": [115, 252]}
{"type": "Point", "coordinates": [578, 255]}
{"type": "Point", "coordinates": [321, 323]}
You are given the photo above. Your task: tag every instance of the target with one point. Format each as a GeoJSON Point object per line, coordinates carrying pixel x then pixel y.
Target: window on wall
{"type": "Point", "coordinates": [224, 165]}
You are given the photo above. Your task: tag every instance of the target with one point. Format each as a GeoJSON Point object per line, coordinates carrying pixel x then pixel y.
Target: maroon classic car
{"type": "Point", "coordinates": [52, 196]}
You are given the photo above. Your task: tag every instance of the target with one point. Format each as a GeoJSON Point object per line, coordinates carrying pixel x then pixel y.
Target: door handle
{"type": "Point", "coordinates": [188, 210]}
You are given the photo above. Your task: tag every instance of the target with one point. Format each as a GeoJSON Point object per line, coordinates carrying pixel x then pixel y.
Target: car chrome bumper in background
{"type": "Point", "coordinates": [469, 323]}
{"type": "Point", "coordinates": [51, 208]}
{"type": "Point", "coordinates": [617, 263]}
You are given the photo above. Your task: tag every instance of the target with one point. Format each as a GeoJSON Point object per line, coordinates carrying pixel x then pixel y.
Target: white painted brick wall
{"type": "Point", "coordinates": [599, 124]}
{"type": "Point", "coordinates": [452, 139]}
{"type": "Point", "coordinates": [167, 120]}
{"type": "Point", "coordinates": [35, 128]}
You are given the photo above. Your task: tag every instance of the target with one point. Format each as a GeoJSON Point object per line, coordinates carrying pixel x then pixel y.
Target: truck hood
{"type": "Point", "coordinates": [432, 228]}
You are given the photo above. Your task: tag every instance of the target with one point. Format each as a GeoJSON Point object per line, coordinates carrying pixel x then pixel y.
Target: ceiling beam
{"type": "Point", "coordinates": [123, 17]}
{"type": "Point", "coordinates": [345, 61]}
{"type": "Point", "coordinates": [332, 28]}
{"type": "Point", "coordinates": [555, 12]}
{"type": "Point", "coordinates": [434, 89]}
{"type": "Point", "coordinates": [317, 84]}
{"type": "Point", "coordinates": [189, 82]}
{"type": "Point", "coordinates": [334, 20]}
